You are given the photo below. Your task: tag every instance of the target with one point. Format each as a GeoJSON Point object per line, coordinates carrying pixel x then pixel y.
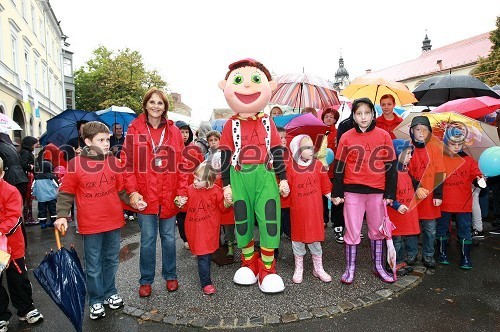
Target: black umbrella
{"type": "Point", "coordinates": [438, 90]}
{"type": "Point", "coordinates": [61, 275]}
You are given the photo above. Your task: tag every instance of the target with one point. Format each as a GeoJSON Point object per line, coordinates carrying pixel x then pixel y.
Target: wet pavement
{"type": "Point", "coordinates": [447, 298]}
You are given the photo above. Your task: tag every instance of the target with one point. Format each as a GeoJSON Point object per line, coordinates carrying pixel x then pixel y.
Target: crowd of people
{"type": "Point", "coordinates": [167, 176]}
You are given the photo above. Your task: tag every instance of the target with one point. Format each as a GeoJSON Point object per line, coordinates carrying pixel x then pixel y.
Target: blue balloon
{"type": "Point", "coordinates": [489, 161]}
{"type": "Point", "coordinates": [329, 156]}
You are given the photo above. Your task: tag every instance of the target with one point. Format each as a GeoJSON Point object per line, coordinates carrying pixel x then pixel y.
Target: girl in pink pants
{"type": "Point", "coordinates": [365, 175]}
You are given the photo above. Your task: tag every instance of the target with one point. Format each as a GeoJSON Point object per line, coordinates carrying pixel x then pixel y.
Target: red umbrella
{"type": "Point", "coordinates": [472, 107]}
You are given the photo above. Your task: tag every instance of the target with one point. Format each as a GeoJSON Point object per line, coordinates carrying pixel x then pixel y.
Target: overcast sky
{"type": "Point", "coordinates": [191, 43]}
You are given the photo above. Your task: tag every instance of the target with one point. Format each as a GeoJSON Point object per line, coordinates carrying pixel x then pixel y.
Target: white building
{"type": "Point", "coordinates": [32, 65]}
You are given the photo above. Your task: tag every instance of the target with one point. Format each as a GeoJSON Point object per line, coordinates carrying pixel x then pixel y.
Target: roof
{"type": "Point", "coordinates": [458, 54]}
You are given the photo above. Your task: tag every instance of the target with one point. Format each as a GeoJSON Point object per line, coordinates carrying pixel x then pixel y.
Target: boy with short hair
{"type": "Point", "coordinates": [18, 283]}
{"type": "Point", "coordinates": [94, 179]}
{"type": "Point", "coordinates": [462, 171]}
{"type": "Point", "coordinates": [427, 169]}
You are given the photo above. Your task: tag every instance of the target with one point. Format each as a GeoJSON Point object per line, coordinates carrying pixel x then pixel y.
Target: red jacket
{"type": "Point", "coordinates": [307, 186]}
{"type": "Point", "coordinates": [159, 185]}
{"type": "Point", "coordinates": [227, 214]}
{"type": "Point", "coordinates": [95, 184]}
{"type": "Point", "coordinates": [10, 212]}
{"type": "Point", "coordinates": [389, 125]}
{"type": "Point", "coordinates": [457, 192]}
{"type": "Point", "coordinates": [203, 216]}
{"type": "Point", "coordinates": [193, 157]}
{"type": "Point", "coordinates": [423, 166]}
{"type": "Point", "coordinates": [406, 224]}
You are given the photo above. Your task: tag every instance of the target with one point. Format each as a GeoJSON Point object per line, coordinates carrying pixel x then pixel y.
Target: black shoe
{"type": "Point", "coordinates": [429, 261]}
{"type": "Point", "coordinates": [339, 236]}
{"type": "Point", "coordinates": [411, 260]}
{"type": "Point", "coordinates": [496, 223]}
{"type": "Point", "coordinates": [495, 231]}
{"type": "Point", "coordinates": [477, 234]}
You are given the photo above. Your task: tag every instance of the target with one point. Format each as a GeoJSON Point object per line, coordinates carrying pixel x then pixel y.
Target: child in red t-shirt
{"type": "Point", "coordinates": [309, 182]}
{"type": "Point", "coordinates": [365, 176]}
{"type": "Point", "coordinates": [404, 213]}
{"type": "Point", "coordinates": [93, 178]}
{"type": "Point", "coordinates": [461, 171]}
{"type": "Point", "coordinates": [18, 283]}
{"type": "Point", "coordinates": [203, 215]}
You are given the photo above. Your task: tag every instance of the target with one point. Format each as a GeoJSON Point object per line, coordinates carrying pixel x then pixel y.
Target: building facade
{"type": "Point", "coordinates": [459, 58]}
{"type": "Point", "coordinates": [32, 65]}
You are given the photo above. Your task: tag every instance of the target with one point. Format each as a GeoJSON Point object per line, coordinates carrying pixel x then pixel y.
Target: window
{"type": "Point", "coordinates": [33, 20]}
{"type": "Point", "coordinates": [42, 31]}
{"type": "Point", "coordinates": [68, 67]}
{"type": "Point", "coordinates": [69, 99]}
{"type": "Point", "coordinates": [36, 83]}
{"type": "Point", "coordinates": [40, 128]}
{"type": "Point", "coordinates": [23, 8]}
{"type": "Point", "coordinates": [31, 127]}
{"type": "Point", "coordinates": [44, 78]}
{"type": "Point", "coordinates": [1, 44]}
{"type": "Point", "coordinates": [13, 40]}
{"type": "Point", "coordinates": [27, 65]}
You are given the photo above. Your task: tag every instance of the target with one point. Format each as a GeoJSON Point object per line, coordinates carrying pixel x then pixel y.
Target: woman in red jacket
{"type": "Point", "coordinates": [155, 172]}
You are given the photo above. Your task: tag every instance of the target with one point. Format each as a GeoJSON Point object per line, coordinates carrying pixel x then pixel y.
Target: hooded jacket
{"type": "Point", "coordinates": [45, 186]}
{"type": "Point", "coordinates": [428, 170]}
{"type": "Point", "coordinates": [308, 183]}
{"type": "Point", "coordinates": [14, 173]}
{"type": "Point", "coordinates": [26, 157]}
{"type": "Point", "coordinates": [10, 218]}
{"type": "Point", "coordinates": [158, 185]}
{"type": "Point", "coordinates": [365, 162]}
{"type": "Point", "coordinates": [191, 152]}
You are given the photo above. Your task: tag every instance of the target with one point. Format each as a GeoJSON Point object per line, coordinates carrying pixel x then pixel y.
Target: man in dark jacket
{"type": "Point", "coordinates": [27, 160]}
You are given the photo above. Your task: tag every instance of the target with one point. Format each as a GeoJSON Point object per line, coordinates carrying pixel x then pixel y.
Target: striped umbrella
{"type": "Point", "coordinates": [302, 90]}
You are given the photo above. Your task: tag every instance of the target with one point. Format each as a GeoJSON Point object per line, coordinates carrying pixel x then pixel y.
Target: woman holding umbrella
{"type": "Point", "coordinates": [154, 172]}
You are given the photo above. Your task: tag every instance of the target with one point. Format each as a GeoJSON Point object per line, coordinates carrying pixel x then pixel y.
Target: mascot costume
{"type": "Point", "coordinates": [252, 157]}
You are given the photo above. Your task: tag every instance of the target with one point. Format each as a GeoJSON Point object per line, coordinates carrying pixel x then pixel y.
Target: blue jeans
{"type": "Point", "coordinates": [463, 222]}
{"type": "Point", "coordinates": [101, 263]}
{"type": "Point", "coordinates": [149, 224]}
{"type": "Point", "coordinates": [405, 244]}
{"type": "Point", "coordinates": [204, 269]}
{"type": "Point", "coordinates": [428, 227]}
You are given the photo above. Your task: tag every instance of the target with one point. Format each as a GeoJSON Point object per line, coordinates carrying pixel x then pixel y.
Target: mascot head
{"type": "Point", "coordinates": [247, 87]}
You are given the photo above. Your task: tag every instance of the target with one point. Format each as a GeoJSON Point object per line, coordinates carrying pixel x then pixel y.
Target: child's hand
{"type": "Point", "coordinates": [61, 224]}
{"type": "Point", "coordinates": [179, 201]}
{"type": "Point", "coordinates": [228, 194]}
{"type": "Point", "coordinates": [422, 193]}
{"type": "Point", "coordinates": [141, 205]}
{"type": "Point", "coordinates": [284, 188]}
{"type": "Point", "coordinates": [437, 201]}
{"type": "Point", "coordinates": [403, 209]}
{"type": "Point", "coordinates": [481, 182]}
{"type": "Point", "coordinates": [337, 200]}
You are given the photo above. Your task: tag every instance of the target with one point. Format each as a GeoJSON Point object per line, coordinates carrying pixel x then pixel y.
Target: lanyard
{"type": "Point", "coordinates": [152, 140]}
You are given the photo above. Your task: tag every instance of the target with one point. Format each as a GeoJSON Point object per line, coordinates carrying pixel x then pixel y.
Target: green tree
{"type": "Point", "coordinates": [488, 69]}
{"type": "Point", "coordinates": [114, 78]}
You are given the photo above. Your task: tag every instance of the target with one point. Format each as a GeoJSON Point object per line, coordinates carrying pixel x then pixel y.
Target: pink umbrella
{"type": "Point", "coordinates": [474, 107]}
{"type": "Point", "coordinates": [386, 229]}
{"type": "Point", "coordinates": [302, 90]}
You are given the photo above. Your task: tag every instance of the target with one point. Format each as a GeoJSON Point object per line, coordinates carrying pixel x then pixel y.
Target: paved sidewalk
{"type": "Point", "coordinates": [236, 306]}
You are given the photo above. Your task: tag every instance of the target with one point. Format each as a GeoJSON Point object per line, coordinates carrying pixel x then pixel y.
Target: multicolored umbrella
{"type": "Point", "coordinates": [302, 90]}
{"type": "Point", "coordinates": [218, 124]}
{"type": "Point", "coordinates": [478, 135]}
{"type": "Point", "coordinates": [374, 88]}
{"type": "Point", "coordinates": [474, 107]}
{"type": "Point", "coordinates": [438, 90]}
{"type": "Point", "coordinates": [306, 124]}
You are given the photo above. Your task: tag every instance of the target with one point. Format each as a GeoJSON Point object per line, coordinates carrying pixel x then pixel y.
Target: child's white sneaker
{"type": "Point", "coordinates": [97, 311]}
{"type": "Point", "coordinates": [114, 301]}
{"type": "Point", "coordinates": [32, 317]}
{"type": "Point", "coordinates": [3, 325]}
